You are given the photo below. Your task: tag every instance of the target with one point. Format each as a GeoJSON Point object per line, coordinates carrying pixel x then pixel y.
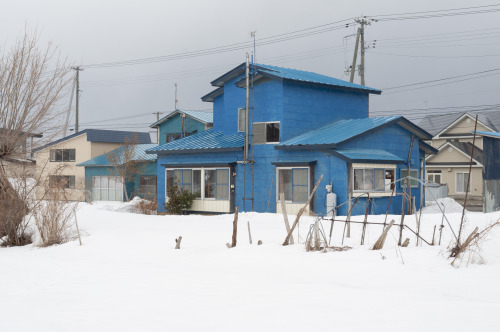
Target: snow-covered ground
{"type": "Point", "coordinates": [127, 276]}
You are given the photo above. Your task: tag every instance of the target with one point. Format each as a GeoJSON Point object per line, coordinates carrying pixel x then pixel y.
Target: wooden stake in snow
{"type": "Point", "coordinates": [77, 229]}
{"type": "Point", "coordinates": [235, 227]}
{"type": "Point", "coordinates": [285, 215]}
{"type": "Point", "coordinates": [249, 233]}
{"type": "Point", "coordinates": [381, 240]}
{"type": "Point", "coordinates": [406, 243]}
{"type": "Point", "coordinates": [302, 211]}
{"type": "Point", "coordinates": [178, 242]}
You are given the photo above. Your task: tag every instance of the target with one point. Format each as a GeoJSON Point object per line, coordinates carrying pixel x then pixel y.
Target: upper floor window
{"type": "Point", "coordinates": [176, 136]}
{"type": "Point", "coordinates": [241, 119]}
{"type": "Point", "coordinates": [62, 155]}
{"type": "Point", "coordinates": [266, 132]}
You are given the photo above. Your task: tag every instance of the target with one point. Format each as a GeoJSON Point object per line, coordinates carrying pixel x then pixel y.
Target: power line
{"type": "Point", "coordinates": [442, 79]}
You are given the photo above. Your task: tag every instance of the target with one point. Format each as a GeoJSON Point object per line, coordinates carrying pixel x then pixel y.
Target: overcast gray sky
{"type": "Point", "coordinates": [407, 51]}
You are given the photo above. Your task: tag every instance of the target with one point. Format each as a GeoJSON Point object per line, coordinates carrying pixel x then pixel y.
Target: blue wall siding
{"type": "Point", "coordinates": [308, 107]}
{"type": "Point", "coordinates": [174, 125]}
{"type": "Point", "coordinates": [132, 186]}
{"type": "Point", "coordinates": [226, 113]}
{"type": "Point", "coordinates": [396, 140]}
{"type": "Point", "coordinates": [491, 149]}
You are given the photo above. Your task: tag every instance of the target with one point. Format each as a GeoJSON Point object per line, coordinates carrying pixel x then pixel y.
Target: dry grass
{"type": "Point", "coordinates": [145, 206]}
{"type": "Point", "coordinates": [470, 251]}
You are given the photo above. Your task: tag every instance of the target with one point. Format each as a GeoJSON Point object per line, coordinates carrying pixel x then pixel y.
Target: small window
{"type": "Point", "coordinates": [413, 174]}
{"type": "Point", "coordinates": [462, 179]}
{"type": "Point", "coordinates": [434, 176]}
{"type": "Point", "coordinates": [62, 155]}
{"type": "Point", "coordinates": [172, 137]}
{"type": "Point", "coordinates": [148, 185]}
{"type": "Point", "coordinates": [241, 119]}
{"type": "Point", "coordinates": [265, 132]}
{"type": "Point", "coordinates": [62, 181]}
{"type": "Point", "coordinates": [273, 132]}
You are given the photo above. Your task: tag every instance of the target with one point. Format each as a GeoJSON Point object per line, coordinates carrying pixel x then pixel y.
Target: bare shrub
{"type": "Point", "coordinates": [145, 206]}
{"type": "Point", "coordinates": [32, 82]}
{"type": "Point", "coordinates": [54, 217]}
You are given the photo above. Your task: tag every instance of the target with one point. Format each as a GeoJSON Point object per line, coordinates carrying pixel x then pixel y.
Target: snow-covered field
{"type": "Point", "coordinates": [127, 276]}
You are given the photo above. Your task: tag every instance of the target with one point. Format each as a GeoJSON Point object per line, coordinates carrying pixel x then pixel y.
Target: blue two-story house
{"type": "Point", "coordinates": [301, 125]}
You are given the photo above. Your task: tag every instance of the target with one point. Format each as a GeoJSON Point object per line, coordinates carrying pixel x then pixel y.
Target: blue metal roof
{"type": "Point", "coordinates": [205, 141]}
{"type": "Point", "coordinates": [489, 134]}
{"type": "Point", "coordinates": [106, 136]}
{"type": "Point", "coordinates": [367, 155]}
{"type": "Point", "coordinates": [338, 132]}
{"type": "Point", "coordinates": [309, 77]}
{"type": "Point", "coordinates": [290, 74]}
{"type": "Point", "coordinates": [139, 155]}
{"type": "Point", "coordinates": [343, 130]}
{"type": "Point", "coordinates": [205, 117]}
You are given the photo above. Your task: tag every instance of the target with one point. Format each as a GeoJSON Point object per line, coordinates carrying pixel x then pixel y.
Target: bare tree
{"type": "Point", "coordinates": [126, 163]}
{"type": "Point", "coordinates": [32, 81]}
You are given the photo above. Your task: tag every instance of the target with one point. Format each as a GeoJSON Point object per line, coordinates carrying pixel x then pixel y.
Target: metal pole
{"type": "Point", "coordinates": [77, 98]}
{"type": "Point", "coordinates": [362, 67]}
{"type": "Point", "coordinates": [247, 101]}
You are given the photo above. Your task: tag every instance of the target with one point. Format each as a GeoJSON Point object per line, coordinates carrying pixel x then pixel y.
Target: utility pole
{"type": "Point", "coordinates": [362, 66]}
{"type": "Point", "coordinates": [78, 69]}
{"type": "Point", "coordinates": [175, 109]}
{"type": "Point", "coordinates": [353, 67]}
{"type": "Point", "coordinates": [252, 34]}
{"type": "Point", "coordinates": [360, 41]}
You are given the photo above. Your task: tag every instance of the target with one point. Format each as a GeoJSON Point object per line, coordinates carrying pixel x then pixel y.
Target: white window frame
{"type": "Point", "coordinates": [118, 179]}
{"type": "Point", "coordinates": [202, 184]}
{"type": "Point", "coordinates": [432, 174]}
{"type": "Point", "coordinates": [265, 134]}
{"type": "Point", "coordinates": [242, 111]}
{"type": "Point", "coordinates": [278, 184]}
{"type": "Point", "coordinates": [456, 182]}
{"type": "Point", "coordinates": [387, 189]}
{"type": "Point", "coordinates": [411, 170]}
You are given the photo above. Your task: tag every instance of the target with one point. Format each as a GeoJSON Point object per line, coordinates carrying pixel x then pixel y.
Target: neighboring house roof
{"type": "Point", "coordinates": [260, 71]}
{"type": "Point", "coordinates": [205, 117]}
{"type": "Point", "coordinates": [139, 155]}
{"type": "Point", "coordinates": [344, 130]}
{"type": "Point", "coordinates": [465, 148]}
{"type": "Point", "coordinates": [367, 155]}
{"type": "Point", "coordinates": [437, 123]}
{"type": "Point", "coordinates": [208, 140]}
{"type": "Point", "coordinates": [212, 95]}
{"type": "Point", "coordinates": [105, 136]}
{"type": "Point", "coordinates": [489, 134]}
{"type": "Point", "coordinates": [5, 132]}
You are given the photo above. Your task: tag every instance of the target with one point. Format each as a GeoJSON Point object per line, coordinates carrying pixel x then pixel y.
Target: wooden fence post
{"type": "Point", "coordinates": [302, 211]}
